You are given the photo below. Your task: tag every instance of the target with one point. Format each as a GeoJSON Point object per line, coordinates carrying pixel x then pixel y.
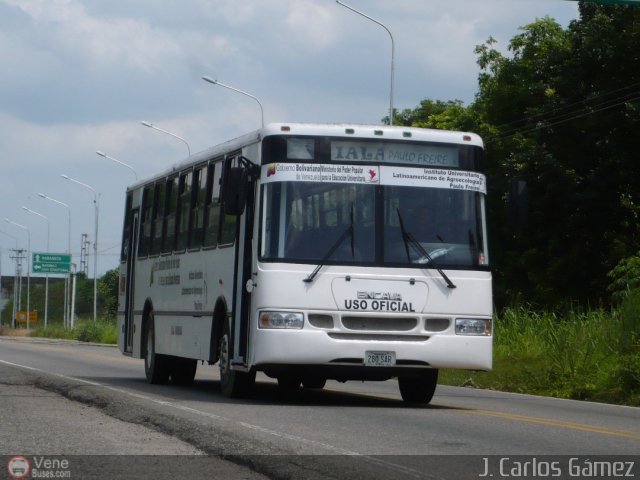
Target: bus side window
{"type": "Point", "coordinates": [184, 207]}
{"type": "Point", "coordinates": [228, 230]}
{"type": "Point", "coordinates": [158, 218]}
{"type": "Point", "coordinates": [197, 210]}
{"type": "Point", "coordinates": [228, 227]}
{"type": "Point", "coordinates": [145, 231]}
{"type": "Point", "coordinates": [212, 207]}
{"type": "Point", "coordinates": [170, 215]}
{"type": "Point", "coordinates": [124, 253]}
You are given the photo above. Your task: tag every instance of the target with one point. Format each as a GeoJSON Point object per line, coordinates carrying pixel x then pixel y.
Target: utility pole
{"type": "Point", "coordinates": [84, 253]}
{"type": "Point", "coordinates": [19, 255]}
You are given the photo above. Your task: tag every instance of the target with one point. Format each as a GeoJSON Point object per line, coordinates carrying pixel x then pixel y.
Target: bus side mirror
{"type": "Point", "coordinates": [234, 192]}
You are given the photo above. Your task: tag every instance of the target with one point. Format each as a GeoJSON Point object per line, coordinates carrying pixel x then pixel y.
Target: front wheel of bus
{"type": "Point", "coordinates": [156, 367]}
{"type": "Point", "coordinates": [233, 383]}
{"type": "Point", "coordinates": [419, 389]}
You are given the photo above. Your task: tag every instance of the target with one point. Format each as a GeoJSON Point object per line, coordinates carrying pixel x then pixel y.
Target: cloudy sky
{"type": "Point", "coordinates": [80, 75]}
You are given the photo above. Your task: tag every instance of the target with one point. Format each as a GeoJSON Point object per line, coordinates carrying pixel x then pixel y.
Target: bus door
{"type": "Point", "coordinates": [131, 278]}
{"type": "Point", "coordinates": [243, 206]}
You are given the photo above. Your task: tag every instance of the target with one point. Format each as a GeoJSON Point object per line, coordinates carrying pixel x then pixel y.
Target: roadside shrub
{"type": "Point", "coordinates": [101, 331]}
{"type": "Point", "coordinates": [625, 277]}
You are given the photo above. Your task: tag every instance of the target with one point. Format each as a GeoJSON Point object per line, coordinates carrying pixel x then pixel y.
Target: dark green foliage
{"type": "Point", "coordinates": [625, 277]}
{"type": "Point", "coordinates": [108, 290]}
{"type": "Point", "coordinates": [561, 112]}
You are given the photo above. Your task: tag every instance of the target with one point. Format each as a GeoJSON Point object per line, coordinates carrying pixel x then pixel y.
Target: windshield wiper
{"type": "Point", "coordinates": [334, 247]}
{"type": "Point", "coordinates": [409, 240]}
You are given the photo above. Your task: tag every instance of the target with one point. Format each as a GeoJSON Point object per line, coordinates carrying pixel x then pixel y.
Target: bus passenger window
{"type": "Point", "coordinates": [212, 209]}
{"type": "Point", "coordinates": [228, 231]}
{"type": "Point", "coordinates": [145, 231]}
{"type": "Point", "coordinates": [184, 207]}
{"type": "Point", "coordinates": [158, 218]}
{"type": "Point", "coordinates": [170, 215]}
{"type": "Point", "coordinates": [124, 252]}
{"type": "Point", "coordinates": [197, 210]}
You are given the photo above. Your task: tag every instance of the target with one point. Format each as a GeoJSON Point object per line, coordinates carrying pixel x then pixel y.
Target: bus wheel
{"type": "Point", "coordinates": [419, 389]}
{"type": "Point", "coordinates": [156, 367]}
{"type": "Point", "coordinates": [314, 382]}
{"type": "Point", "coordinates": [183, 371]}
{"type": "Point", "coordinates": [233, 384]}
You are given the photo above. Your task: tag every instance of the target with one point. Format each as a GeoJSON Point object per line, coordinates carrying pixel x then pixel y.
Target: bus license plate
{"type": "Point", "coordinates": [379, 359]}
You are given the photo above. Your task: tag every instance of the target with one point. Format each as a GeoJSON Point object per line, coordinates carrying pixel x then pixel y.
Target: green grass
{"type": "Point", "coordinates": [100, 331]}
{"type": "Point", "coordinates": [592, 355]}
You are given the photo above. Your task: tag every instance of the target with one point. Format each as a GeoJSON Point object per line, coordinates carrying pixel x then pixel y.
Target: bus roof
{"type": "Point", "coordinates": [346, 130]}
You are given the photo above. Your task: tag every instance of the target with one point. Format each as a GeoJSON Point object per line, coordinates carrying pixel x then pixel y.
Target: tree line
{"type": "Point", "coordinates": [107, 298]}
{"type": "Point", "coordinates": [560, 115]}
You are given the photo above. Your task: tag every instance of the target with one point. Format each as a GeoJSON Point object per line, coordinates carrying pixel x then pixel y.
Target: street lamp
{"type": "Point", "coordinates": [151, 125]}
{"type": "Point", "coordinates": [28, 265]}
{"type": "Point", "coordinates": [46, 288]}
{"type": "Point", "coordinates": [392, 53]}
{"type": "Point", "coordinates": [102, 154]}
{"type": "Point", "coordinates": [66, 283]}
{"type": "Point", "coordinates": [216, 82]}
{"type": "Point", "coordinates": [95, 243]}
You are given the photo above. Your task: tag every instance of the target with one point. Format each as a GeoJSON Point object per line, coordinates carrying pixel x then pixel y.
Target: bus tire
{"type": "Point", "coordinates": [156, 366]}
{"type": "Point", "coordinates": [233, 383]}
{"type": "Point", "coordinates": [314, 383]}
{"type": "Point", "coordinates": [183, 370]}
{"type": "Point", "coordinates": [420, 389]}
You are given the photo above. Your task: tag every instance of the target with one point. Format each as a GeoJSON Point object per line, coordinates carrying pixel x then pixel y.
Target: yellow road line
{"type": "Point", "coordinates": [556, 423]}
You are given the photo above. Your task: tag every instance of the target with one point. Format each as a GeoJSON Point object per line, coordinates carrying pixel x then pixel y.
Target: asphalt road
{"type": "Point", "coordinates": [352, 430]}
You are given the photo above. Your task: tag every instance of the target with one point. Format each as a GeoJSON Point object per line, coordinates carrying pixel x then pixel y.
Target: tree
{"type": "Point", "coordinates": [560, 112]}
{"type": "Point", "coordinates": [108, 293]}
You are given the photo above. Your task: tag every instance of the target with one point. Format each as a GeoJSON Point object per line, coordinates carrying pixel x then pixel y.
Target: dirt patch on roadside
{"type": "Point", "coordinates": [15, 332]}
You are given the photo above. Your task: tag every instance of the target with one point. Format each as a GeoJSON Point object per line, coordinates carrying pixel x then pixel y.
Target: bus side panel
{"type": "Point", "coordinates": [183, 290]}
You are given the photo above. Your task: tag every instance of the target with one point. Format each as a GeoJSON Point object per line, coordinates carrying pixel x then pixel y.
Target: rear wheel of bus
{"type": "Point", "coordinates": [156, 366]}
{"type": "Point", "coordinates": [233, 383]}
{"type": "Point", "coordinates": [419, 389]}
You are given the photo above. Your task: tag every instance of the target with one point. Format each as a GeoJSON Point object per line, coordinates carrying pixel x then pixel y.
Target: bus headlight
{"type": "Point", "coordinates": [473, 326]}
{"type": "Point", "coordinates": [281, 320]}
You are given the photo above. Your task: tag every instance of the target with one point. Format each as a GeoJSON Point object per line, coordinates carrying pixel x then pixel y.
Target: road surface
{"type": "Point", "coordinates": [352, 430]}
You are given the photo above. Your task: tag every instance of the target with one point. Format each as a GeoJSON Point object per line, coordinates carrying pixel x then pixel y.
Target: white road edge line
{"type": "Point", "coordinates": [333, 449]}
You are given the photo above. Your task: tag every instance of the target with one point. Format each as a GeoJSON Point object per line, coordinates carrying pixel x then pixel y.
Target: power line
{"type": "Point", "coordinates": [566, 107]}
{"type": "Point", "coordinates": [567, 117]}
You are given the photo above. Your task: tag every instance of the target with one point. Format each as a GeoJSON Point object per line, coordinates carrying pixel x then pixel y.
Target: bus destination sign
{"type": "Point", "coordinates": [413, 154]}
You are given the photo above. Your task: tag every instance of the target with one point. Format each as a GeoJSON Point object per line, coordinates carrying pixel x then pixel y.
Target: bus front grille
{"type": "Point", "coordinates": [384, 324]}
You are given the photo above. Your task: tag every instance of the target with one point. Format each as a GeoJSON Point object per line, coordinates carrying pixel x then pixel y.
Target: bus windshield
{"type": "Point", "coordinates": [303, 220]}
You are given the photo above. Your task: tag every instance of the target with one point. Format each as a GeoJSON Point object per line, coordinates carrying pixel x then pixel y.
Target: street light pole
{"type": "Point", "coordinates": [46, 288]}
{"type": "Point", "coordinates": [392, 53]}
{"type": "Point", "coordinates": [102, 154]}
{"type": "Point", "coordinates": [216, 82]}
{"type": "Point", "coordinates": [66, 321]}
{"type": "Point", "coordinates": [28, 265]}
{"type": "Point", "coordinates": [151, 125]}
{"type": "Point", "coordinates": [95, 243]}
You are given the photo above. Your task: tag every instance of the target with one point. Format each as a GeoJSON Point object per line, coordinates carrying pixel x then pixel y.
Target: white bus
{"type": "Point", "coordinates": [311, 252]}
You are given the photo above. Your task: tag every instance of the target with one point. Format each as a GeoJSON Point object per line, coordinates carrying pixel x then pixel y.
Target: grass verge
{"type": "Point", "coordinates": [593, 355]}
{"type": "Point", "coordinates": [100, 331]}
